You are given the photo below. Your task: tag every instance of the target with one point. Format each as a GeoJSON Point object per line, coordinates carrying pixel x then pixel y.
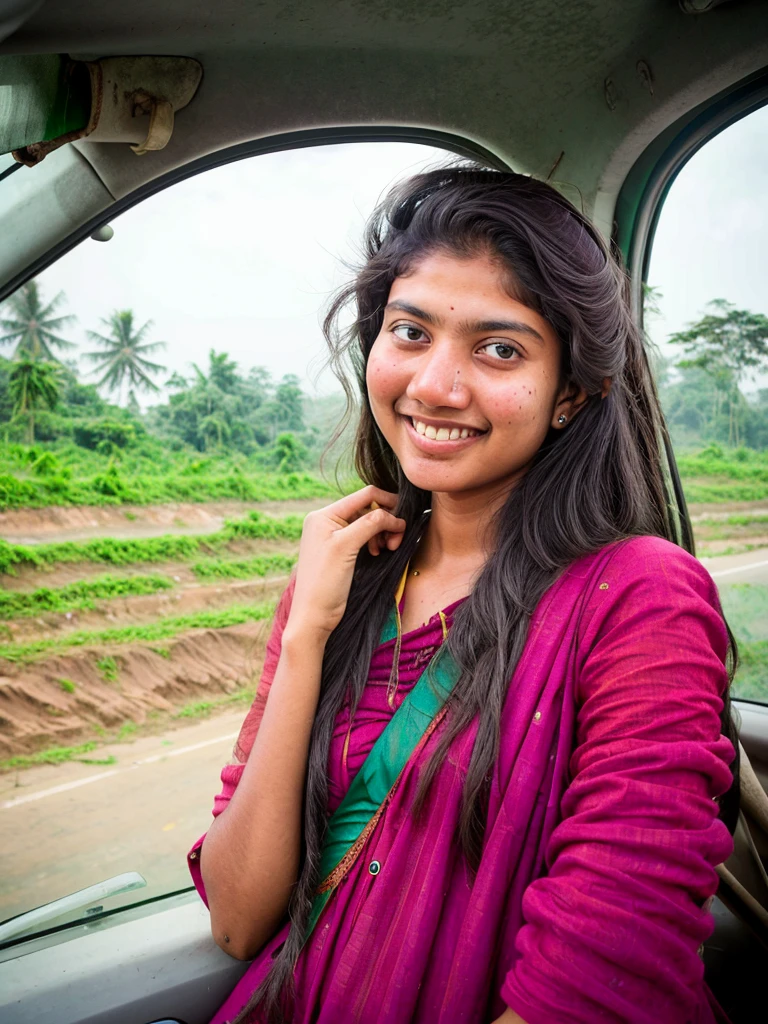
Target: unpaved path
{"type": "Point", "coordinates": [84, 522]}
{"type": "Point", "coordinates": [748, 567]}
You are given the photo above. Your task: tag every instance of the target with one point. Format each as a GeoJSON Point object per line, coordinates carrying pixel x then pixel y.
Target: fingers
{"type": "Point", "coordinates": [351, 506]}
{"type": "Point", "coordinates": [377, 529]}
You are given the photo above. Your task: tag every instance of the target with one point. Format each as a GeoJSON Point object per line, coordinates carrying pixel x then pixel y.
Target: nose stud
{"type": "Point", "coordinates": [561, 419]}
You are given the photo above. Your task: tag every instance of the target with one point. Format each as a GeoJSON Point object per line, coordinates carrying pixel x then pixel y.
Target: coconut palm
{"type": "Point", "coordinates": [33, 325]}
{"type": "Point", "coordinates": [122, 356]}
{"type": "Point", "coordinates": [32, 384]}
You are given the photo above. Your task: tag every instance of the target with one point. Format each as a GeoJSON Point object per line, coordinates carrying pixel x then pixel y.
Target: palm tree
{"type": "Point", "coordinates": [32, 325]}
{"type": "Point", "coordinates": [33, 383]}
{"type": "Point", "coordinates": [122, 354]}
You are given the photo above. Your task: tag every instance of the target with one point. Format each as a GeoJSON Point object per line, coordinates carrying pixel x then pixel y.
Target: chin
{"type": "Point", "coordinates": [435, 479]}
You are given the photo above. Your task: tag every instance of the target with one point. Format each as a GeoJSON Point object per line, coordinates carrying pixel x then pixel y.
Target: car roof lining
{"type": "Point", "coordinates": [533, 83]}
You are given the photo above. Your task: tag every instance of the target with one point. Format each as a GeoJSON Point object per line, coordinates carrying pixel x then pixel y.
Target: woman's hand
{"type": "Point", "coordinates": [330, 542]}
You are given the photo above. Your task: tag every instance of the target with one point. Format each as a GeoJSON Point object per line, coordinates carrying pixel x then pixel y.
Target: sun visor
{"type": "Point", "coordinates": [48, 101]}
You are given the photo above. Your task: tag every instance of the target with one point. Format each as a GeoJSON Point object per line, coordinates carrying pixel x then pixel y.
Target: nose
{"type": "Point", "coordinates": [439, 379]}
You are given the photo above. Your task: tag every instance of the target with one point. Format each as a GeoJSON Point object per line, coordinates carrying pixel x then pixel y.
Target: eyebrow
{"type": "Point", "coordinates": [466, 326]}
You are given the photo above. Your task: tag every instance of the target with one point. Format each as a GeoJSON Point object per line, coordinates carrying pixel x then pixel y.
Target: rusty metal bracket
{"type": "Point", "coordinates": [133, 100]}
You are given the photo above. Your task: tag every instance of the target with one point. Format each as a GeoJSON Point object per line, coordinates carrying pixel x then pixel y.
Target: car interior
{"type": "Point", "coordinates": [103, 105]}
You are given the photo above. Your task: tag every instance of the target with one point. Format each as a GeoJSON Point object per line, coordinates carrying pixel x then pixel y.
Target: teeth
{"type": "Point", "coordinates": [442, 433]}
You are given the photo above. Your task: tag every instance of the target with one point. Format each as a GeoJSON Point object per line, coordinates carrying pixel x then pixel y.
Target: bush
{"type": "Point", "coordinates": [89, 433]}
{"type": "Point", "coordinates": [15, 493]}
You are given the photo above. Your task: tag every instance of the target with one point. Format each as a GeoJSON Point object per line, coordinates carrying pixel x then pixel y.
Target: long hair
{"type": "Point", "coordinates": [598, 481]}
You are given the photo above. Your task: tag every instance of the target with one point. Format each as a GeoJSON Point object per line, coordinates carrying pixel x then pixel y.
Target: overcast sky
{"type": "Point", "coordinates": [243, 258]}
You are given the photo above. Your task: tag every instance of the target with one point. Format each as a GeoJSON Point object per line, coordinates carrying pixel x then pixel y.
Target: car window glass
{"type": "Point", "coordinates": [707, 310]}
{"type": "Point", "coordinates": [161, 427]}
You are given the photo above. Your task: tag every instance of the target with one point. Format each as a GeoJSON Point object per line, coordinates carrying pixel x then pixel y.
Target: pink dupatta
{"type": "Point", "coordinates": [590, 902]}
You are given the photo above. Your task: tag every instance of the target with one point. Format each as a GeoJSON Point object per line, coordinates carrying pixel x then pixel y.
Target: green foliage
{"type": "Point", "coordinates": [121, 355]}
{"type": "Point", "coordinates": [721, 348]}
{"type": "Point", "coordinates": [108, 668]}
{"type": "Point", "coordinates": [33, 384]}
{"type": "Point", "coordinates": [78, 596]}
{"type": "Point", "coordinates": [67, 685]}
{"type": "Point", "coordinates": [91, 433]}
{"type": "Point", "coordinates": [55, 755]}
{"type": "Point", "coordinates": [203, 708]}
{"type": "Point", "coordinates": [243, 569]}
{"type": "Point", "coordinates": [32, 325]}
{"type": "Point", "coordinates": [751, 682]}
{"type": "Point", "coordinates": [235, 615]}
{"type": "Point", "coordinates": [143, 473]}
{"type": "Point", "coordinates": [746, 608]}
{"type": "Point", "coordinates": [172, 547]}
{"type": "Point", "coordinates": [223, 409]}
{"type": "Point", "coordinates": [714, 475]}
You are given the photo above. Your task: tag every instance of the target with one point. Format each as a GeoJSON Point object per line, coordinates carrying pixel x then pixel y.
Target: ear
{"type": "Point", "coordinates": [570, 401]}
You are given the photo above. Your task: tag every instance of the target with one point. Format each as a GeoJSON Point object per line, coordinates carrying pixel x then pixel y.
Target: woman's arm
{"type": "Point", "coordinates": [251, 854]}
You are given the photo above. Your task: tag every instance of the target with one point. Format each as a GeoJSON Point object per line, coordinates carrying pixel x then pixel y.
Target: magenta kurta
{"type": "Point", "coordinates": [602, 834]}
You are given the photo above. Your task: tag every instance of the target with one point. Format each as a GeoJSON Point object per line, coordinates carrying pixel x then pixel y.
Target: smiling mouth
{"type": "Point", "coordinates": [446, 433]}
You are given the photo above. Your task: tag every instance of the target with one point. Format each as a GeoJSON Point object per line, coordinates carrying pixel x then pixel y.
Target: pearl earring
{"type": "Point", "coordinates": [562, 418]}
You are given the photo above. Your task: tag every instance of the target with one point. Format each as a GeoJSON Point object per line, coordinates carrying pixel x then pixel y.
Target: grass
{"type": "Point", "coordinates": [243, 569]}
{"type": "Point", "coordinates": [715, 474]}
{"type": "Point", "coordinates": [751, 682]}
{"type": "Point", "coordinates": [746, 608]}
{"type": "Point", "coordinates": [169, 548]}
{"type": "Point", "coordinates": [55, 755]}
{"type": "Point", "coordinates": [79, 596]}
{"type": "Point", "coordinates": [108, 668]}
{"type": "Point", "coordinates": [203, 708]}
{"type": "Point", "coordinates": [162, 629]}
{"type": "Point", "coordinates": [147, 473]}
{"type": "Point", "coordinates": [67, 685]}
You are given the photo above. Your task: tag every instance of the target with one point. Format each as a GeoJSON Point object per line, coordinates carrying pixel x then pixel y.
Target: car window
{"type": "Point", "coordinates": [707, 310]}
{"type": "Point", "coordinates": [163, 411]}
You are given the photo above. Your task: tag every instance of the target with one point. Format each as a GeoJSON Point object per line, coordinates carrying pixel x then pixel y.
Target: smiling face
{"type": "Point", "coordinates": [464, 381]}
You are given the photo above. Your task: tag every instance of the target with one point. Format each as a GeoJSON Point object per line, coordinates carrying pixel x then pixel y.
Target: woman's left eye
{"type": "Point", "coordinates": [500, 350]}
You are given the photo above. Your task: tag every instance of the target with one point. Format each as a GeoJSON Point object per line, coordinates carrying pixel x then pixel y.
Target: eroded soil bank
{"type": "Point", "coordinates": [82, 522]}
{"type": "Point", "coordinates": [71, 698]}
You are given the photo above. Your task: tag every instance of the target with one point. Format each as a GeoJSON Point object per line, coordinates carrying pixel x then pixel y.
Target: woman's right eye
{"type": "Point", "coordinates": [408, 332]}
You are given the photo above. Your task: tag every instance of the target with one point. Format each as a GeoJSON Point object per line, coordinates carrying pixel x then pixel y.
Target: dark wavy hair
{"type": "Point", "coordinates": [600, 480]}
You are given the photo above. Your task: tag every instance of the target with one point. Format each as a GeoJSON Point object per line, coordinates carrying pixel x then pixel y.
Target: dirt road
{"type": "Point", "coordinates": [67, 826]}
{"type": "Point", "coordinates": [748, 567]}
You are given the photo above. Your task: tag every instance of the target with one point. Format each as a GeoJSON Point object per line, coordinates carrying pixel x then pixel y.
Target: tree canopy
{"type": "Point", "coordinates": [121, 356]}
{"type": "Point", "coordinates": [725, 345]}
{"type": "Point", "coordinates": [33, 383]}
{"type": "Point", "coordinates": [33, 325]}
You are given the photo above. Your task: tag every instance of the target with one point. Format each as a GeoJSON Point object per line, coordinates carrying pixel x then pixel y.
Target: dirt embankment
{"type": "Point", "coordinates": [73, 691]}
{"type": "Point", "coordinates": [83, 522]}
{"type": "Point", "coordinates": [66, 699]}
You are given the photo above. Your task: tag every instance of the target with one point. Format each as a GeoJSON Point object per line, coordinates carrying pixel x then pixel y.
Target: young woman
{"type": "Point", "coordinates": [480, 779]}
